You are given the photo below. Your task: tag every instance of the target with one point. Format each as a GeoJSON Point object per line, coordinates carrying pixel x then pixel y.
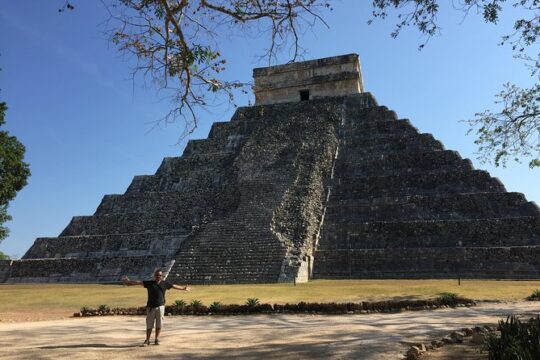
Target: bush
{"type": "Point", "coordinates": [103, 308]}
{"type": "Point", "coordinates": [215, 307]}
{"type": "Point", "coordinates": [85, 310]}
{"type": "Point", "coordinates": [252, 303]}
{"type": "Point", "coordinates": [450, 299]}
{"type": "Point", "coordinates": [517, 340]}
{"type": "Point", "coordinates": [180, 304]}
{"type": "Point", "coordinates": [197, 307]}
{"type": "Point", "coordinates": [196, 304]}
{"type": "Point", "coordinates": [535, 296]}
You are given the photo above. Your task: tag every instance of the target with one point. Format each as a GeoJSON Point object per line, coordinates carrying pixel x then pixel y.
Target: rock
{"type": "Point", "coordinates": [77, 314]}
{"type": "Point", "coordinates": [447, 340]}
{"type": "Point", "coordinates": [413, 353]}
{"type": "Point", "coordinates": [457, 336]}
{"type": "Point", "coordinates": [477, 329]}
{"type": "Point", "coordinates": [477, 338]}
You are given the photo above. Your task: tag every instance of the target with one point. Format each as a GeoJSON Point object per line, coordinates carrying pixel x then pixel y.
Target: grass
{"type": "Point", "coordinates": [32, 297]}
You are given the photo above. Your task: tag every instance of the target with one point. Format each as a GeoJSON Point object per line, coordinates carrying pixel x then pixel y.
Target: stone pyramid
{"type": "Point", "coordinates": [288, 190]}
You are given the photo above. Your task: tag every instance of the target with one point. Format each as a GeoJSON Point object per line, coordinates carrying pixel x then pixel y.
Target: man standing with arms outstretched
{"type": "Point", "coordinates": [155, 306]}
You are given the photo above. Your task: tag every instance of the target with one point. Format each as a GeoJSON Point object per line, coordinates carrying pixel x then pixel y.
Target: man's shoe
{"type": "Point", "coordinates": [156, 342]}
{"type": "Point", "coordinates": [145, 343]}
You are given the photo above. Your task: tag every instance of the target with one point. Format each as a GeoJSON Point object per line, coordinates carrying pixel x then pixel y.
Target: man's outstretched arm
{"type": "Point", "coordinates": [128, 282]}
{"type": "Point", "coordinates": [180, 287]}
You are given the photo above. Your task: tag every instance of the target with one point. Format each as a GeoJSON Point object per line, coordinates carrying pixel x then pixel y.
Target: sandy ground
{"type": "Point", "coordinates": [372, 336]}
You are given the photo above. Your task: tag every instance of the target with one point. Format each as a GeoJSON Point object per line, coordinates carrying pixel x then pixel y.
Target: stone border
{"type": "Point", "coordinates": [299, 308]}
{"type": "Point", "coordinates": [476, 333]}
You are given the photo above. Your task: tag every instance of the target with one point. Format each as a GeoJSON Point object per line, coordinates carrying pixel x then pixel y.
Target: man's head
{"type": "Point", "coordinates": [158, 275]}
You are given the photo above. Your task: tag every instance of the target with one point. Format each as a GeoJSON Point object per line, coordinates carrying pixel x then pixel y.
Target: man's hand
{"type": "Point", "coordinates": [183, 288]}
{"type": "Point", "coordinates": [128, 282]}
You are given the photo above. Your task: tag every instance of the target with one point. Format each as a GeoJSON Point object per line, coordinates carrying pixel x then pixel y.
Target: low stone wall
{"type": "Point", "coordinates": [424, 263]}
{"type": "Point", "coordinates": [88, 270]}
{"type": "Point", "coordinates": [5, 270]}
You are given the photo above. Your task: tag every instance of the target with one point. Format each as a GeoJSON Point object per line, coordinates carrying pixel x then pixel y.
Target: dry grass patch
{"type": "Point", "coordinates": [71, 297]}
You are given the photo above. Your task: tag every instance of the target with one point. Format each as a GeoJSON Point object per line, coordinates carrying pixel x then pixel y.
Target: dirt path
{"type": "Point", "coordinates": [373, 336]}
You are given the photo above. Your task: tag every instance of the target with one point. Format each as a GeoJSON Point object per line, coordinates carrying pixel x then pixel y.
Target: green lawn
{"type": "Point", "coordinates": [14, 298]}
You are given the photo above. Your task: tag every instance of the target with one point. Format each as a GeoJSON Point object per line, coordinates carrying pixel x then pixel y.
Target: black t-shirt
{"type": "Point", "coordinates": [156, 292]}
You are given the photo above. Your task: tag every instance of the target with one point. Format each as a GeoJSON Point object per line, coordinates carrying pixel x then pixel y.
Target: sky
{"type": "Point", "coordinates": [88, 127]}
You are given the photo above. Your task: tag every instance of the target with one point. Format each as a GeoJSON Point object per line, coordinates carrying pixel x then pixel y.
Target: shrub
{"type": "Point", "coordinates": [535, 296]}
{"type": "Point", "coordinates": [180, 303]}
{"type": "Point", "coordinates": [450, 299]}
{"type": "Point", "coordinates": [85, 310]}
{"type": "Point", "coordinates": [103, 308]}
{"type": "Point", "coordinates": [517, 340]}
{"type": "Point", "coordinates": [196, 304]}
{"type": "Point", "coordinates": [252, 303]}
{"type": "Point", "coordinates": [215, 307]}
{"type": "Point", "coordinates": [197, 307]}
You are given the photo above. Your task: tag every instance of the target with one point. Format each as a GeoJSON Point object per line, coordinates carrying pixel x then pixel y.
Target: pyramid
{"type": "Point", "coordinates": [316, 181]}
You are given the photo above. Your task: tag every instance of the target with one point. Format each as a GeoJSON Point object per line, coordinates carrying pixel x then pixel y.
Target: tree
{"type": "Point", "coordinates": [14, 172]}
{"type": "Point", "coordinates": [177, 42]}
{"type": "Point", "coordinates": [513, 130]}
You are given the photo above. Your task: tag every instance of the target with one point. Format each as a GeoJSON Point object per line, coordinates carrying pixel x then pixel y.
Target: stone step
{"type": "Point", "coordinates": [390, 145]}
{"type": "Point", "coordinates": [354, 165]}
{"type": "Point", "coordinates": [417, 263]}
{"type": "Point", "coordinates": [359, 116]}
{"type": "Point", "coordinates": [196, 163]}
{"type": "Point", "coordinates": [418, 207]}
{"type": "Point", "coordinates": [220, 201]}
{"type": "Point", "coordinates": [196, 181]}
{"type": "Point", "coordinates": [129, 223]}
{"type": "Point", "coordinates": [86, 270]}
{"type": "Point", "coordinates": [508, 231]}
{"type": "Point", "coordinates": [421, 183]}
{"type": "Point", "coordinates": [232, 279]}
{"type": "Point", "coordinates": [185, 173]}
{"type": "Point", "coordinates": [378, 130]}
{"type": "Point", "coordinates": [134, 244]}
{"type": "Point", "coordinates": [255, 262]}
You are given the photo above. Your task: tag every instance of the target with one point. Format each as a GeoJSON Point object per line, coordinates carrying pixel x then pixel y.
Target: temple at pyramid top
{"type": "Point", "coordinates": [332, 76]}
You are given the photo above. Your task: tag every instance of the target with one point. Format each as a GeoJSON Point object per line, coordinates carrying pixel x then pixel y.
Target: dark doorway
{"type": "Point", "coordinates": [304, 95]}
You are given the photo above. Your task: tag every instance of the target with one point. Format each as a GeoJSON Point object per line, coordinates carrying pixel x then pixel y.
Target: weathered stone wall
{"type": "Point", "coordinates": [87, 270]}
{"type": "Point", "coordinates": [401, 206]}
{"type": "Point", "coordinates": [5, 270]}
{"type": "Point", "coordinates": [429, 263]}
{"type": "Point", "coordinates": [328, 77]}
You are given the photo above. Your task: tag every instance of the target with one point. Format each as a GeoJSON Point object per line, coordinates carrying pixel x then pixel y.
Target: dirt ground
{"type": "Point", "coordinates": [371, 336]}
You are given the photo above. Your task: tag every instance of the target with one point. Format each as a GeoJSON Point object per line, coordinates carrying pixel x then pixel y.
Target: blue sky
{"type": "Point", "coordinates": [88, 128]}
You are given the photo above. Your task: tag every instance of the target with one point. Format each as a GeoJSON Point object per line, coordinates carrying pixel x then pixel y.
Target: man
{"type": "Point", "coordinates": [155, 306]}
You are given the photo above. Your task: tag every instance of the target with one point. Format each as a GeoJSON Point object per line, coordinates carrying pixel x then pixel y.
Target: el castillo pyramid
{"type": "Point", "coordinates": [316, 181]}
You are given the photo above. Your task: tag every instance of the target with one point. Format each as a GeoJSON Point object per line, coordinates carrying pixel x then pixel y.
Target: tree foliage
{"type": "Point", "coordinates": [176, 43]}
{"type": "Point", "coordinates": [14, 172]}
{"type": "Point", "coordinates": [512, 131]}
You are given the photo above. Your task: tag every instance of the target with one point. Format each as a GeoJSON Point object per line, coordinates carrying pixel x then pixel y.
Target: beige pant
{"type": "Point", "coordinates": [154, 315]}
